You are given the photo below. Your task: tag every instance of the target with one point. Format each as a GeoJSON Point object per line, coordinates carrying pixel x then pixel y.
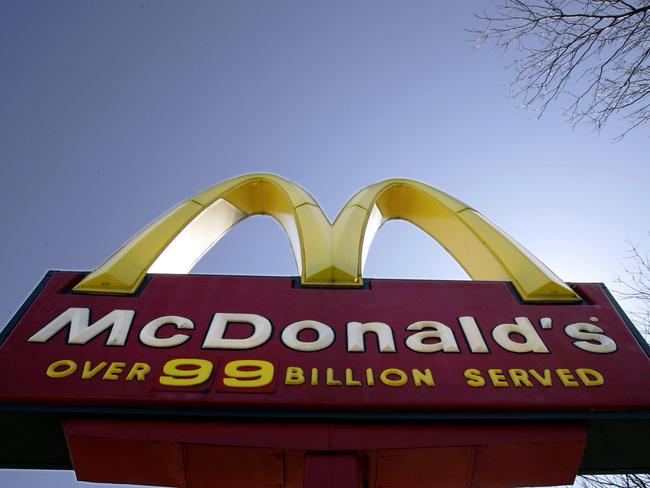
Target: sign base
{"type": "Point", "coordinates": [202, 455]}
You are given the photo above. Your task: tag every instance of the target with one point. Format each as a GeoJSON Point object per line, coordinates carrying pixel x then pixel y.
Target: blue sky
{"type": "Point", "coordinates": [114, 112]}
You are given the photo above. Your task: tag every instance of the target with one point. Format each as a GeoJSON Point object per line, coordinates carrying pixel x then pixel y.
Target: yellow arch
{"type": "Point", "coordinates": [484, 251]}
{"type": "Point", "coordinates": [326, 255]}
{"type": "Point", "coordinates": [176, 241]}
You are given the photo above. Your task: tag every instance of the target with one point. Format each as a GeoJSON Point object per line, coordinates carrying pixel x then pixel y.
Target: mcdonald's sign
{"type": "Point", "coordinates": [139, 337]}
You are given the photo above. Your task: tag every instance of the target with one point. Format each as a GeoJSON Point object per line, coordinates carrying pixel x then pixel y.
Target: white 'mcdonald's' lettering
{"type": "Point", "coordinates": [262, 331]}
{"type": "Point", "coordinates": [523, 328]}
{"type": "Point", "coordinates": [590, 332]}
{"type": "Point", "coordinates": [291, 340]}
{"type": "Point", "coordinates": [118, 321]}
{"type": "Point", "coordinates": [437, 330]}
{"type": "Point", "coordinates": [425, 336]}
{"type": "Point", "coordinates": [357, 332]}
{"type": "Point", "coordinates": [148, 333]}
{"type": "Point", "coordinates": [473, 335]}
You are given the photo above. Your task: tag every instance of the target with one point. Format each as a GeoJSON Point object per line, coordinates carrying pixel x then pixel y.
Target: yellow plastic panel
{"type": "Point", "coordinates": [485, 252]}
{"type": "Point", "coordinates": [125, 270]}
{"type": "Point", "coordinates": [177, 241]}
{"type": "Point", "coordinates": [533, 280]}
{"type": "Point", "coordinates": [197, 238]}
{"type": "Point", "coordinates": [315, 236]}
{"type": "Point", "coordinates": [326, 255]}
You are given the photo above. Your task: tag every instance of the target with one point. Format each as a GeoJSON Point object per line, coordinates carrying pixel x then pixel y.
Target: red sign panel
{"type": "Point", "coordinates": [224, 344]}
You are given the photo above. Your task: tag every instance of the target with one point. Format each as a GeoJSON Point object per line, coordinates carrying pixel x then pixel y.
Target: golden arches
{"type": "Point", "coordinates": [484, 251]}
{"type": "Point", "coordinates": [176, 241]}
{"type": "Point", "coordinates": [326, 255]}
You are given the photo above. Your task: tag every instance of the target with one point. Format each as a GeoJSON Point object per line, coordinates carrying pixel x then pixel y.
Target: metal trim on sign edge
{"type": "Point", "coordinates": [627, 321]}
{"type": "Point", "coordinates": [303, 415]}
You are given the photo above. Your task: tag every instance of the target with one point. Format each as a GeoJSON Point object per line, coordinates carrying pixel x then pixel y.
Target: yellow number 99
{"type": "Point", "coordinates": [248, 373]}
{"type": "Point", "coordinates": [199, 373]}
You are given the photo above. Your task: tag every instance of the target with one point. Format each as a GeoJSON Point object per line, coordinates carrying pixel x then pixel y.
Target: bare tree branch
{"type": "Point", "coordinates": [594, 52]}
{"type": "Point", "coordinates": [635, 287]}
{"type": "Point", "coordinates": [616, 481]}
